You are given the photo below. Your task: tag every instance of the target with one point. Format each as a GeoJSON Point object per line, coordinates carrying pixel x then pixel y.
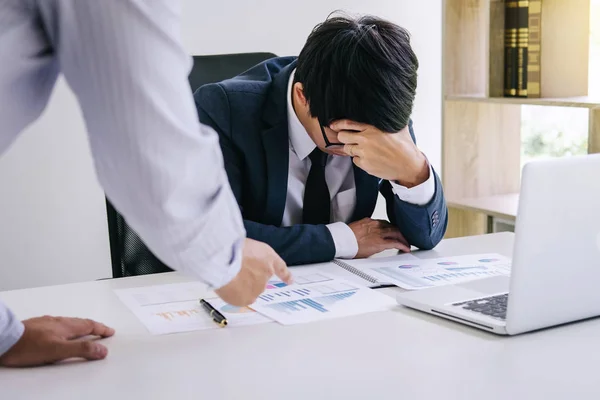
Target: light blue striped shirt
{"type": "Point", "coordinates": [163, 171]}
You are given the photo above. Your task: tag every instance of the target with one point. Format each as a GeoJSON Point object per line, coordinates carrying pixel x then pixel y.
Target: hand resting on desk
{"type": "Point", "coordinates": [374, 236]}
{"type": "Point", "coordinates": [47, 340]}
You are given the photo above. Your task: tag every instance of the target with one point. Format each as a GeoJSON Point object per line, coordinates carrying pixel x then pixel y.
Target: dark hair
{"type": "Point", "coordinates": [361, 69]}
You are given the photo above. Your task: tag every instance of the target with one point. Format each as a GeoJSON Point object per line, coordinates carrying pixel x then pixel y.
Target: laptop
{"type": "Point", "coordinates": [555, 273]}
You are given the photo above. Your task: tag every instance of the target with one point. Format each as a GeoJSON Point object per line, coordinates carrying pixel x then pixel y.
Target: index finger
{"type": "Point", "coordinates": [282, 271]}
{"type": "Point", "coordinates": [79, 327]}
{"type": "Point", "coordinates": [347, 137]}
{"type": "Point", "coordinates": [347, 125]}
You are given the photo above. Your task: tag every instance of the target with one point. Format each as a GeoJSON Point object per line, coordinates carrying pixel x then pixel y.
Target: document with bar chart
{"type": "Point", "coordinates": [175, 307]}
{"type": "Point", "coordinates": [317, 296]}
{"type": "Point", "coordinates": [420, 274]}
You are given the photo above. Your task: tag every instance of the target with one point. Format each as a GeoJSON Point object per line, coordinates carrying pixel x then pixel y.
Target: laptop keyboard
{"type": "Point", "coordinates": [493, 306]}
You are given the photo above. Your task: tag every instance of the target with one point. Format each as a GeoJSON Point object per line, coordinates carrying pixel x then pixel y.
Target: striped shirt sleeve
{"type": "Point", "coordinates": [11, 329]}
{"type": "Point", "coordinates": [159, 167]}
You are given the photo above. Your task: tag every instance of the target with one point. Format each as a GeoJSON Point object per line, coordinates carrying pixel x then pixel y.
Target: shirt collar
{"type": "Point", "coordinates": [301, 142]}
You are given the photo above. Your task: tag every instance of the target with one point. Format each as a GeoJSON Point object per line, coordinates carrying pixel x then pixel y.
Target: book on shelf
{"type": "Point", "coordinates": [522, 44]}
{"type": "Point", "coordinates": [510, 48]}
{"type": "Point", "coordinates": [522, 48]}
{"type": "Point", "coordinates": [534, 49]}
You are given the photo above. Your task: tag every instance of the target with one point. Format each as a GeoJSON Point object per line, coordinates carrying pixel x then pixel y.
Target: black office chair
{"type": "Point", "coordinates": [129, 254]}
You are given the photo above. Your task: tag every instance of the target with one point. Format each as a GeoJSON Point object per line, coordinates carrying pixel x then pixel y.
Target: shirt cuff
{"type": "Point", "coordinates": [220, 270]}
{"type": "Point", "coordinates": [11, 329]}
{"type": "Point", "coordinates": [345, 242]}
{"type": "Point", "coordinates": [418, 195]}
{"type": "Point", "coordinates": [216, 257]}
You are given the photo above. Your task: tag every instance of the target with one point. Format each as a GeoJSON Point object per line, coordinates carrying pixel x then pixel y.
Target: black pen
{"type": "Point", "coordinates": [214, 314]}
{"type": "Point", "coordinates": [384, 286]}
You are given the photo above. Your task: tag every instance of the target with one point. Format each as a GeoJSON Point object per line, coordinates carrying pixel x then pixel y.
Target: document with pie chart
{"type": "Point", "coordinates": [424, 273]}
{"type": "Point", "coordinates": [175, 307]}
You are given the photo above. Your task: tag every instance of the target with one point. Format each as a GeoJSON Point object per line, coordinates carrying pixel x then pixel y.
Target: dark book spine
{"type": "Point", "coordinates": [534, 77]}
{"type": "Point", "coordinates": [522, 47]}
{"type": "Point", "coordinates": [510, 48]}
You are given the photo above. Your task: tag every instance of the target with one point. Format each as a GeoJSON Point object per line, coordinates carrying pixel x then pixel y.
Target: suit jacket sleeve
{"type": "Point", "coordinates": [423, 226]}
{"type": "Point", "coordinates": [298, 244]}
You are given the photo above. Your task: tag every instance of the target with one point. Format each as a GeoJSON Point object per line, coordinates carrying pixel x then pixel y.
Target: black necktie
{"type": "Point", "coordinates": [316, 194]}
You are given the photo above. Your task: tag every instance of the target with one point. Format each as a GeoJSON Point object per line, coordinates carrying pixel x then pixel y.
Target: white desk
{"type": "Point", "coordinates": [400, 354]}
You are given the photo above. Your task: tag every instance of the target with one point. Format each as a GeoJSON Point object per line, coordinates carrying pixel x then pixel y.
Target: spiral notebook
{"type": "Point", "coordinates": [361, 274]}
{"type": "Point", "coordinates": [361, 268]}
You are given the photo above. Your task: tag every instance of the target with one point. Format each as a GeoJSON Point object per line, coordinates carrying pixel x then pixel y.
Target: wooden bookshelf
{"type": "Point", "coordinates": [481, 139]}
{"type": "Point", "coordinates": [581, 102]}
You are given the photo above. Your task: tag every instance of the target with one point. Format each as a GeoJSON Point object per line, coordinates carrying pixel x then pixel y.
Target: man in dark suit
{"type": "Point", "coordinates": [309, 142]}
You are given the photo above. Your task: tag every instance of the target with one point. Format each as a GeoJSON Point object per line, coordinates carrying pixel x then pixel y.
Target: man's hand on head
{"type": "Point", "coordinates": [391, 156]}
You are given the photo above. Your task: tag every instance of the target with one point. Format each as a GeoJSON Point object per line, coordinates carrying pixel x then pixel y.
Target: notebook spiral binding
{"type": "Point", "coordinates": [356, 271]}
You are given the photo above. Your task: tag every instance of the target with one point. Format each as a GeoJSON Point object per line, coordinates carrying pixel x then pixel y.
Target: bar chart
{"type": "Point", "coordinates": [319, 304]}
{"type": "Point", "coordinates": [270, 297]}
{"type": "Point", "coordinates": [314, 297]}
{"type": "Point", "coordinates": [437, 272]}
{"type": "Point", "coordinates": [299, 280]}
{"type": "Point", "coordinates": [299, 291]}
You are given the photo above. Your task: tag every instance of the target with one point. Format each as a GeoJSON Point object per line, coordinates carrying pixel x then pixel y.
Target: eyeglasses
{"type": "Point", "coordinates": [327, 142]}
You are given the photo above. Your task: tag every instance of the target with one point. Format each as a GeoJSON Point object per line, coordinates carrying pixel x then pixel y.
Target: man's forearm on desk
{"type": "Point", "coordinates": [422, 225]}
{"type": "Point", "coordinates": [11, 329]}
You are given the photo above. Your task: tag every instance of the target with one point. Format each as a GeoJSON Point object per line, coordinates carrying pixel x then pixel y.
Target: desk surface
{"type": "Point", "coordinates": [386, 355]}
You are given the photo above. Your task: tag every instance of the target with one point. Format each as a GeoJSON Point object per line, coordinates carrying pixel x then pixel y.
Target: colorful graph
{"type": "Point", "coordinates": [457, 275]}
{"type": "Point", "coordinates": [300, 280]}
{"type": "Point", "coordinates": [229, 309]}
{"type": "Point", "coordinates": [276, 284]}
{"type": "Point", "coordinates": [416, 274]}
{"type": "Point", "coordinates": [418, 277]}
{"type": "Point", "coordinates": [268, 297]}
{"type": "Point", "coordinates": [407, 266]}
{"type": "Point", "coordinates": [296, 291]}
{"type": "Point", "coordinates": [330, 300]}
{"type": "Point", "coordinates": [172, 315]}
{"type": "Point", "coordinates": [318, 304]}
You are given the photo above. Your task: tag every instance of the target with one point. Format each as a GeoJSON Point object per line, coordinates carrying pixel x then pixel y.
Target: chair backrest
{"type": "Point", "coordinates": [216, 68]}
{"type": "Point", "coordinates": [129, 254]}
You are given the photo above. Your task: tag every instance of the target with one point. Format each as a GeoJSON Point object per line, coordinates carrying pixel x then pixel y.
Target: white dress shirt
{"type": "Point", "coordinates": [161, 169]}
{"type": "Point", "coordinates": [339, 175]}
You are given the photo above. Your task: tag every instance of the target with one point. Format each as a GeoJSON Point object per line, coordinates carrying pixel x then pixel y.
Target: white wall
{"type": "Point", "coordinates": [52, 215]}
{"type": "Point", "coordinates": [53, 226]}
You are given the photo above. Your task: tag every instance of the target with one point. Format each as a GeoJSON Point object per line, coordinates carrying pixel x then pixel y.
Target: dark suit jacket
{"type": "Point", "coordinates": [249, 112]}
